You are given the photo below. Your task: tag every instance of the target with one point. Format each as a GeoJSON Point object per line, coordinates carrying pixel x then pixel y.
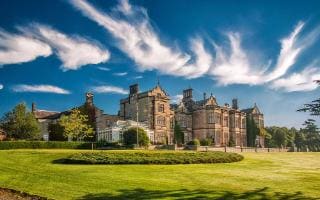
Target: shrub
{"type": "Point", "coordinates": [44, 145]}
{"type": "Point", "coordinates": [151, 157]}
{"type": "Point", "coordinates": [194, 142]}
{"type": "Point", "coordinates": [206, 142]}
{"type": "Point", "coordinates": [130, 137]}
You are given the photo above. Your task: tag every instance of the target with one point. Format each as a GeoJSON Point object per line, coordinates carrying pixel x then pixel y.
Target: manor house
{"type": "Point", "coordinates": [203, 119]}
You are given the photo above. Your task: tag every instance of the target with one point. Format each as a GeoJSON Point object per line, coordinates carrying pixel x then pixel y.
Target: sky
{"type": "Point", "coordinates": [263, 52]}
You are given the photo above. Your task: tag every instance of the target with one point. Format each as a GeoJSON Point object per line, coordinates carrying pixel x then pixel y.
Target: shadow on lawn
{"type": "Point", "coordinates": [142, 194]}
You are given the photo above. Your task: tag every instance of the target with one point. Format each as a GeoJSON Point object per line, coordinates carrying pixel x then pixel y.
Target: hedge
{"type": "Point", "coordinates": [44, 145]}
{"type": "Point", "coordinates": [150, 157]}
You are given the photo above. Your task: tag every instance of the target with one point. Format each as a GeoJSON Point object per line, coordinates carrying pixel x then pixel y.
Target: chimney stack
{"type": "Point", "coordinates": [33, 107]}
{"type": "Point", "coordinates": [187, 94]}
{"type": "Point", "coordinates": [89, 98]}
{"type": "Point", "coordinates": [235, 104]}
{"type": "Point", "coordinates": [134, 89]}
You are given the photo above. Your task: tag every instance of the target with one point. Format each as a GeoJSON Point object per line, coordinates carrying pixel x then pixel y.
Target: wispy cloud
{"type": "Point", "coordinates": [137, 38]}
{"type": "Point", "coordinates": [1, 86]}
{"type": "Point", "coordinates": [138, 77]}
{"type": "Point", "coordinates": [40, 88]}
{"type": "Point", "coordinates": [73, 51]}
{"type": "Point", "coordinates": [16, 48]}
{"type": "Point", "coordinates": [234, 66]}
{"type": "Point", "coordinates": [41, 41]}
{"type": "Point", "coordinates": [176, 98]}
{"type": "Point", "coordinates": [299, 81]}
{"type": "Point", "coordinates": [227, 64]}
{"type": "Point", "coordinates": [104, 68]}
{"type": "Point", "coordinates": [109, 89]}
{"type": "Point", "coordinates": [120, 73]}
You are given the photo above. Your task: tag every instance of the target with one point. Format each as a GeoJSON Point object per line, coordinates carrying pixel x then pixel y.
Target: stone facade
{"type": "Point", "coordinates": [151, 107]}
{"type": "Point", "coordinates": [205, 119]}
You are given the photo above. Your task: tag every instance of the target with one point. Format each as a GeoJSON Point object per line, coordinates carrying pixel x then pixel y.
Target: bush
{"type": "Point", "coordinates": [43, 145]}
{"type": "Point", "coordinates": [151, 157]}
{"type": "Point", "coordinates": [194, 142]}
{"type": "Point", "coordinates": [206, 142]}
{"type": "Point", "coordinates": [130, 137]}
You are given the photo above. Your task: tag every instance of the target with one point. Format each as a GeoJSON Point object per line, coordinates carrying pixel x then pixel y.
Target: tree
{"type": "Point", "coordinates": [178, 134]}
{"type": "Point", "coordinates": [56, 132]}
{"type": "Point", "coordinates": [75, 126]}
{"type": "Point", "coordinates": [130, 137]}
{"type": "Point", "coordinates": [252, 131]}
{"type": "Point", "coordinates": [231, 142]}
{"type": "Point", "coordinates": [280, 137]}
{"type": "Point", "coordinates": [311, 133]}
{"type": "Point", "coordinates": [20, 124]}
{"type": "Point", "coordinates": [299, 141]}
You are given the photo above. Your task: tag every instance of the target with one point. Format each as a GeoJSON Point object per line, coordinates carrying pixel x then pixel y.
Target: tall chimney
{"type": "Point", "coordinates": [89, 98]}
{"type": "Point", "coordinates": [187, 94]}
{"type": "Point", "coordinates": [235, 104]}
{"type": "Point", "coordinates": [33, 107]}
{"type": "Point", "coordinates": [134, 89]}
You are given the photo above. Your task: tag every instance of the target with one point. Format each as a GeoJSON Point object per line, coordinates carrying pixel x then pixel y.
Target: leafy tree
{"type": "Point", "coordinates": [130, 137]}
{"type": "Point", "coordinates": [268, 140]}
{"type": "Point", "coordinates": [75, 126]}
{"type": "Point", "coordinates": [280, 137]}
{"type": "Point", "coordinates": [56, 132]}
{"type": "Point", "coordinates": [252, 131]}
{"type": "Point", "coordinates": [300, 142]}
{"type": "Point", "coordinates": [312, 137]}
{"type": "Point", "coordinates": [231, 141]}
{"type": "Point", "coordinates": [20, 124]}
{"type": "Point", "coordinates": [178, 134]}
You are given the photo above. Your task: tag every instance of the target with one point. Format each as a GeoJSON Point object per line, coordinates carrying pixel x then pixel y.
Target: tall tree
{"type": "Point", "coordinates": [75, 126]}
{"type": "Point", "coordinates": [178, 134]}
{"type": "Point", "coordinates": [312, 137]}
{"type": "Point", "coordinates": [252, 131]}
{"type": "Point", "coordinates": [20, 124]}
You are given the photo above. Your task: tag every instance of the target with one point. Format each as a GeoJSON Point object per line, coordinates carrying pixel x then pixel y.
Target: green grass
{"type": "Point", "coordinates": [150, 157]}
{"type": "Point", "coordinates": [258, 176]}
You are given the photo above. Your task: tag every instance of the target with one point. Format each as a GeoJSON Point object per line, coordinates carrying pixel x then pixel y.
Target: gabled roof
{"type": "Point", "coordinates": [253, 110]}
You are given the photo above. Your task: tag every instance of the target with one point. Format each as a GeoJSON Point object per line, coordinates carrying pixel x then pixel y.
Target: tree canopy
{"type": "Point", "coordinates": [130, 137]}
{"type": "Point", "coordinates": [75, 126]}
{"type": "Point", "coordinates": [20, 124]}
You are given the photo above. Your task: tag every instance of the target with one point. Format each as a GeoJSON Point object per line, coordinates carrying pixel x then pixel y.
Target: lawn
{"type": "Point", "coordinates": [258, 176]}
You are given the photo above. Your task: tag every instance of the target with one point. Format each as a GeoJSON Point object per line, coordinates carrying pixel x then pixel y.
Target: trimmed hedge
{"type": "Point", "coordinates": [150, 157]}
{"type": "Point", "coordinates": [44, 145]}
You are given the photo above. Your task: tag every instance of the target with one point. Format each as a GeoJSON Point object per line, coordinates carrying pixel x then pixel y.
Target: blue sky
{"type": "Point", "coordinates": [52, 52]}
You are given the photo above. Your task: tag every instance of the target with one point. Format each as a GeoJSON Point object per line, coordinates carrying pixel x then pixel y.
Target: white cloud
{"type": "Point", "coordinates": [288, 54]}
{"type": "Point", "coordinates": [299, 81]}
{"type": "Point", "coordinates": [176, 98]}
{"type": "Point", "coordinates": [138, 77]}
{"type": "Point", "coordinates": [229, 64]}
{"type": "Point", "coordinates": [104, 68]}
{"type": "Point", "coordinates": [234, 67]}
{"type": "Point", "coordinates": [73, 51]}
{"type": "Point", "coordinates": [1, 86]}
{"type": "Point", "coordinates": [109, 89]}
{"type": "Point", "coordinates": [137, 38]}
{"type": "Point", "coordinates": [120, 73]}
{"type": "Point", "coordinates": [40, 88]}
{"type": "Point", "coordinates": [19, 49]}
